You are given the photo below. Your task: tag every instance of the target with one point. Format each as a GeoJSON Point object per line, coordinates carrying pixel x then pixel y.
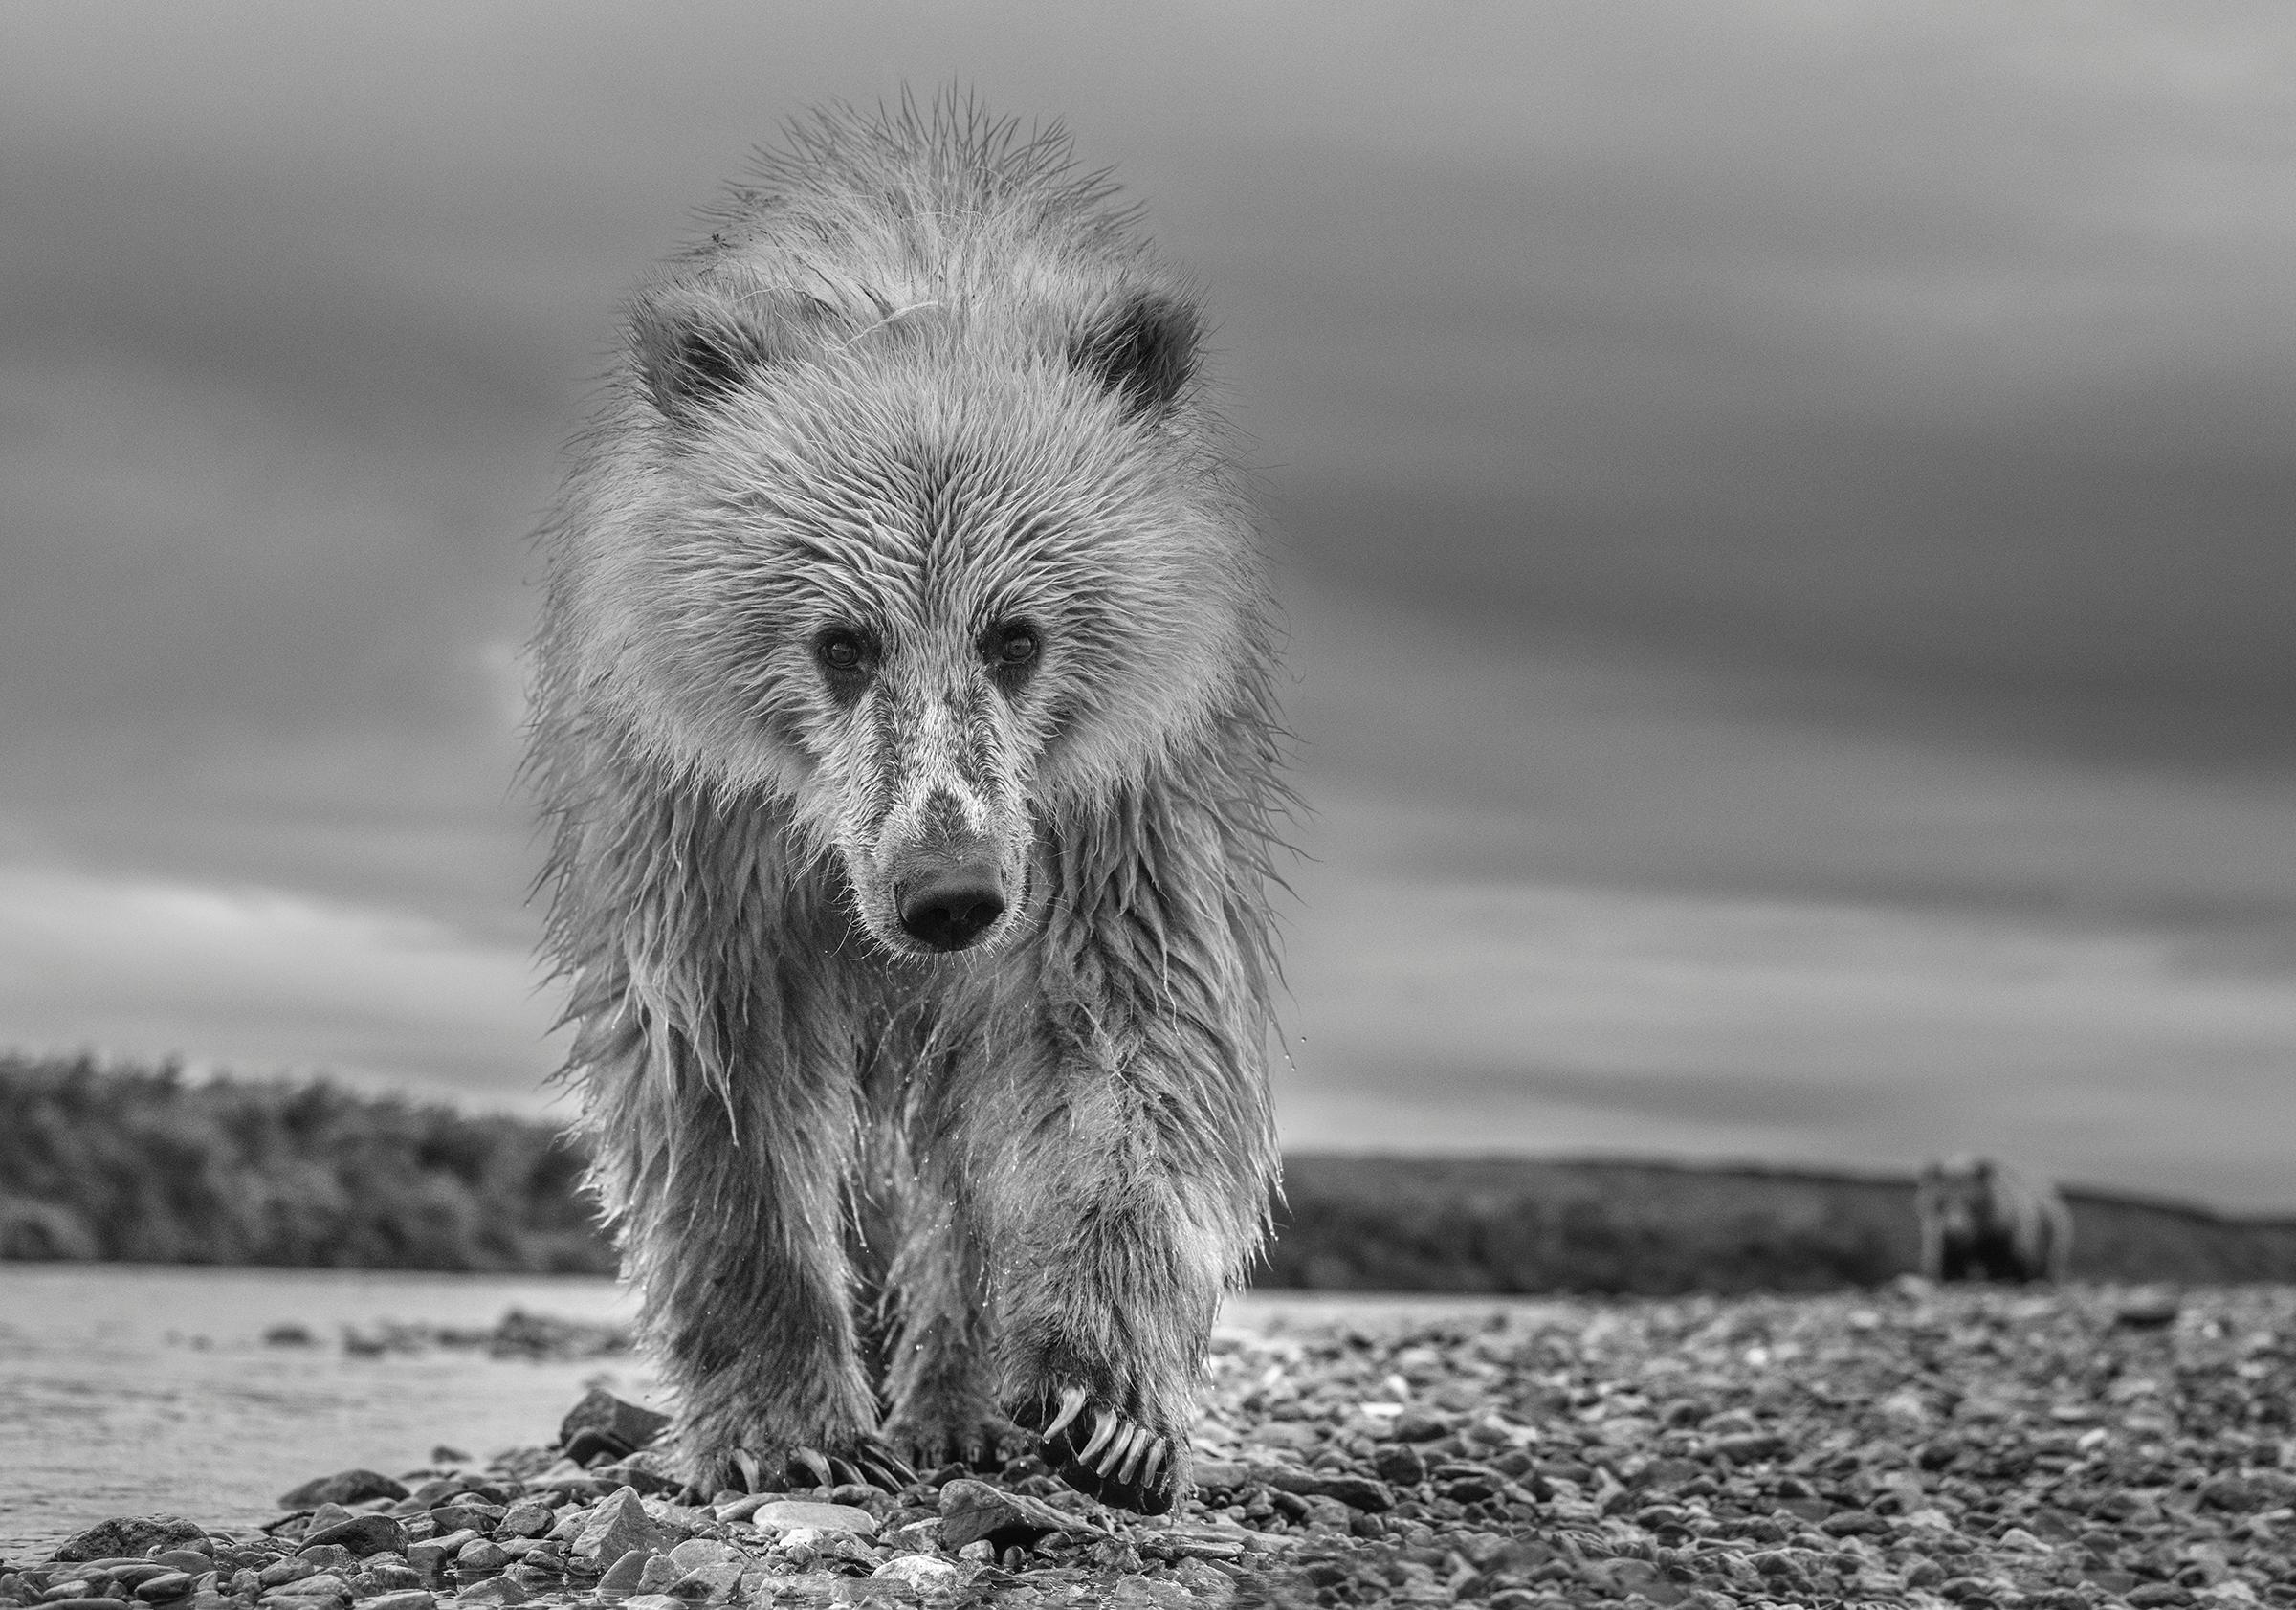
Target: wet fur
{"type": "Point", "coordinates": [1982, 1220]}
{"type": "Point", "coordinates": [920, 373]}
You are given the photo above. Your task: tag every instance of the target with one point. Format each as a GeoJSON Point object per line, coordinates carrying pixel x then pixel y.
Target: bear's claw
{"type": "Point", "coordinates": [869, 1464]}
{"type": "Point", "coordinates": [866, 1464]}
{"type": "Point", "coordinates": [1121, 1460]}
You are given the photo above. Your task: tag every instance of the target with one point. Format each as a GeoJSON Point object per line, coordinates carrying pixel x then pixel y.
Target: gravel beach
{"type": "Point", "coordinates": [1912, 1446]}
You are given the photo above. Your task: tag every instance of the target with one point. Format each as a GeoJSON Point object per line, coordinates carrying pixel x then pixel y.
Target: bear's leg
{"type": "Point", "coordinates": [940, 1374]}
{"type": "Point", "coordinates": [1123, 1191]}
{"type": "Point", "coordinates": [732, 1231]}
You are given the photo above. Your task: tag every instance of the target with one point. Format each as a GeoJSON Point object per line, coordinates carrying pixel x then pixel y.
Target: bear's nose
{"type": "Point", "coordinates": [949, 910]}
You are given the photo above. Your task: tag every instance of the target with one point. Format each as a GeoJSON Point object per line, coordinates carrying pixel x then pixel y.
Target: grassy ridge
{"type": "Point", "coordinates": [1520, 1225]}
{"type": "Point", "coordinates": [151, 1167]}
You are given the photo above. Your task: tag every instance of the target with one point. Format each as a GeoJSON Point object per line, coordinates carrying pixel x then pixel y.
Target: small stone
{"type": "Point", "coordinates": [921, 1572]}
{"type": "Point", "coordinates": [1420, 1426]}
{"type": "Point", "coordinates": [279, 1573]}
{"type": "Point", "coordinates": [971, 1510]}
{"type": "Point", "coordinates": [529, 1517]}
{"type": "Point", "coordinates": [495, 1590]}
{"type": "Point", "coordinates": [1357, 1492]}
{"type": "Point", "coordinates": [2148, 1310]}
{"type": "Point", "coordinates": [463, 1514]}
{"type": "Point", "coordinates": [828, 1517]}
{"type": "Point", "coordinates": [623, 1428]}
{"type": "Point", "coordinates": [166, 1585]}
{"type": "Point", "coordinates": [479, 1557]}
{"type": "Point", "coordinates": [1400, 1463]}
{"type": "Point", "coordinates": [184, 1560]}
{"type": "Point", "coordinates": [614, 1527]}
{"type": "Point", "coordinates": [1221, 1475]}
{"type": "Point", "coordinates": [708, 1584]}
{"type": "Point", "coordinates": [640, 1471]}
{"type": "Point", "coordinates": [662, 1601]}
{"type": "Point", "coordinates": [405, 1598]}
{"type": "Point", "coordinates": [129, 1536]}
{"type": "Point", "coordinates": [382, 1578]}
{"type": "Point", "coordinates": [1747, 1448]}
{"type": "Point", "coordinates": [696, 1553]}
{"type": "Point", "coordinates": [360, 1534]}
{"type": "Point", "coordinates": [344, 1486]}
{"type": "Point", "coordinates": [429, 1557]}
{"type": "Point", "coordinates": [659, 1574]}
{"type": "Point", "coordinates": [623, 1575]}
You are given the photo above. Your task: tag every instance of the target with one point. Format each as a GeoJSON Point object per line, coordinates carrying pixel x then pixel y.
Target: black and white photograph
{"type": "Point", "coordinates": [1020, 806]}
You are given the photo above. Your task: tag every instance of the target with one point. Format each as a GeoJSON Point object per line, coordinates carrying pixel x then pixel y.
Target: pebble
{"type": "Point", "coordinates": [129, 1536]}
{"type": "Point", "coordinates": [615, 1526]}
{"type": "Point", "coordinates": [609, 1424]}
{"type": "Point", "coordinates": [973, 1511]}
{"type": "Point", "coordinates": [479, 1557]}
{"type": "Point", "coordinates": [359, 1535]}
{"type": "Point", "coordinates": [792, 1513]}
{"type": "Point", "coordinates": [625, 1574]}
{"type": "Point", "coordinates": [404, 1598]}
{"type": "Point", "coordinates": [344, 1486]}
{"type": "Point", "coordinates": [921, 1572]}
{"type": "Point", "coordinates": [529, 1517]}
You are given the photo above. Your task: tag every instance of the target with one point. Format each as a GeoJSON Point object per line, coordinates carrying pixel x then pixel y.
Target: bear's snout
{"type": "Point", "coordinates": [949, 906]}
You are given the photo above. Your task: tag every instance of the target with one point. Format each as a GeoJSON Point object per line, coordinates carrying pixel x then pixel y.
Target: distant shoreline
{"type": "Point", "coordinates": [130, 1165]}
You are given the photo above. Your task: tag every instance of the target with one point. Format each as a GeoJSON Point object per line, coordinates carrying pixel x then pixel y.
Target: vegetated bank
{"type": "Point", "coordinates": [148, 1165]}
{"type": "Point", "coordinates": [1521, 1224]}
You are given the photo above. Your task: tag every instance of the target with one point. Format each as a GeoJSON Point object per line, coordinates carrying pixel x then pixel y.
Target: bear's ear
{"type": "Point", "coordinates": [694, 350]}
{"type": "Point", "coordinates": [1143, 351]}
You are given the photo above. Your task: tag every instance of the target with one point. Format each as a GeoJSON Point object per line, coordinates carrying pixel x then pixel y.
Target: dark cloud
{"type": "Point", "coordinates": [1732, 461]}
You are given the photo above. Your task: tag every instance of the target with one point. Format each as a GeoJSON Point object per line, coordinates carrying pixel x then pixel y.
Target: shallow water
{"type": "Point", "coordinates": [132, 1390]}
{"type": "Point", "coordinates": [127, 1389]}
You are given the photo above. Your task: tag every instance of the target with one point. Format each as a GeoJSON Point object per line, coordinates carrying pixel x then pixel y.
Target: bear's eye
{"type": "Point", "coordinates": [1010, 647]}
{"type": "Point", "coordinates": [840, 649]}
{"type": "Point", "coordinates": [1016, 645]}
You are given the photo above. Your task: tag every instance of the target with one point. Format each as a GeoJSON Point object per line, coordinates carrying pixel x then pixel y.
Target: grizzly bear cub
{"type": "Point", "coordinates": [903, 718]}
{"type": "Point", "coordinates": [1982, 1220]}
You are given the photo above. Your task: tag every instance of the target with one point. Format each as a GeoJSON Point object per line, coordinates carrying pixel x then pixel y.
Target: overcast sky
{"type": "Point", "coordinates": [1785, 513]}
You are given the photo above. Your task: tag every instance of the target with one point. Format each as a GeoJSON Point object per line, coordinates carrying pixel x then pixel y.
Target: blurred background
{"type": "Point", "coordinates": [1784, 514]}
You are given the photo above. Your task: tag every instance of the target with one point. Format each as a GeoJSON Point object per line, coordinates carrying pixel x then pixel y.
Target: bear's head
{"type": "Point", "coordinates": [1957, 1196]}
{"type": "Point", "coordinates": [942, 569]}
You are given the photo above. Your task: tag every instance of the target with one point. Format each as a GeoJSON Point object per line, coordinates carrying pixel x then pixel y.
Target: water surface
{"type": "Point", "coordinates": [132, 1390]}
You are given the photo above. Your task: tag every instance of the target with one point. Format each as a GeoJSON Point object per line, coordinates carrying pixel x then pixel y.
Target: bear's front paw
{"type": "Point", "coordinates": [982, 1438]}
{"type": "Point", "coordinates": [863, 1461]}
{"type": "Point", "coordinates": [1105, 1453]}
